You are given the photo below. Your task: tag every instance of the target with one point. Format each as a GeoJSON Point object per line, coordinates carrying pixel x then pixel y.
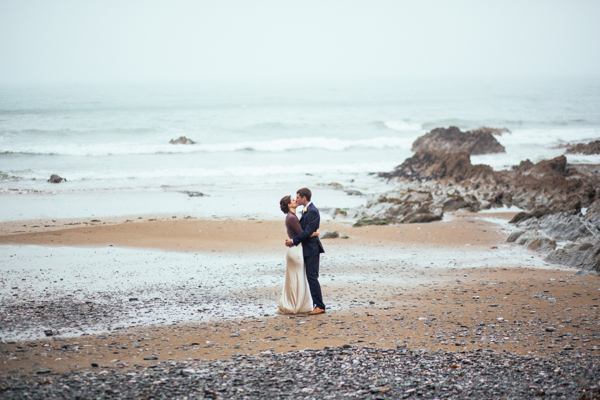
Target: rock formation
{"type": "Point", "coordinates": [429, 165]}
{"type": "Point", "coordinates": [56, 179]}
{"type": "Point", "coordinates": [585, 255]}
{"type": "Point", "coordinates": [561, 201]}
{"type": "Point", "coordinates": [329, 234]}
{"type": "Point", "coordinates": [493, 131]}
{"type": "Point", "coordinates": [453, 140]}
{"type": "Point", "coordinates": [182, 140]}
{"type": "Point", "coordinates": [584, 148]}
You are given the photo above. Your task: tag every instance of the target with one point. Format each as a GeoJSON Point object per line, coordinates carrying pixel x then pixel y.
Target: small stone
{"type": "Point", "coordinates": [43, 371]}
{"type": "Point", "coordinates": [329, 234]}
{"type": "Point", "coordinates": [550, 329]}
{"type": "Point", "coordinates": [150, 358]}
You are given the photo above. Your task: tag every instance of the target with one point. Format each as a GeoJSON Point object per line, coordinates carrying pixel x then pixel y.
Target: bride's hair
{"type": "Point", "coordinates": [284, 204]}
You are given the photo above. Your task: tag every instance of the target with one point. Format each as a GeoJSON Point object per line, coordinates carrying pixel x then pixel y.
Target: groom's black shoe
{"type": "Point", "coordinates": [316, 311]}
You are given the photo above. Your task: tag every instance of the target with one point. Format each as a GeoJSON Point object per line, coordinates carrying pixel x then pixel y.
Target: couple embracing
{"type": "Point", "coordinates": [302, 291]}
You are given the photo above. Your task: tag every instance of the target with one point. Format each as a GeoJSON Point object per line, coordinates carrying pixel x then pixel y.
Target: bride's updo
{"type": "Point", "coordinates": [284, 204]}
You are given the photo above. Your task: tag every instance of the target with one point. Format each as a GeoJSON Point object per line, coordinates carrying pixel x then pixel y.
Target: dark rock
{"type": "Point", "coordinates": [592, 213]}
{"type": "Point", "coordinates": [182, 140]}
{"type": "Point", "coordinates": [354, 193]}
{"type": "Point", "coordinates": [567, 225]}
{"type": "Point", "coordinates": [453, 140]}
{"type": "Point", "coordinates": [553, 167]}
{"type": "Point", "coordinates": [493, 131]}
{"type": "Point", "coordinates": [525, 166]}
{"type": "Point", "coordinates": [542, 245]}
{"type": "Point", "coordinates": [328, 234]}
{"type": "Point", "coordinates": [584, 148]}
{"type": "Point", "coordinates": [560, 199]}
{"type": "Point", "coordinates": [429, 165]}
{"type": "Point", "coordinates": [409, 207]}
{"type": "Point", "coordinates": [514, 236]}
{"type": "Point", "coordinates": [422, 218]}
{"type": "Point", "coordinates": [523, 216]}
{"type": "Point", "coordinates": [56, 179]}
{"type": "Point", "coordinates": [193, 194]}
{"type": "Point", "coordinates": [458, 202]}
{"type": "Point", "coordinates": [584, 255]}
{"type": "Point", "coordinates": [367, 221]}
{"type": "Point", "coordinates": [49, 332]}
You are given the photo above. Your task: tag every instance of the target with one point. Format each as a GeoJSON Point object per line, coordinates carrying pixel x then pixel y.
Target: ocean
{"type": "Point", "coordinates": [258, 141]}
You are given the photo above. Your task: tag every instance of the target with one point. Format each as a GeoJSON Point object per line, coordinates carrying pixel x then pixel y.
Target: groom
{"type": "Point", "coordinates": [311, 246]}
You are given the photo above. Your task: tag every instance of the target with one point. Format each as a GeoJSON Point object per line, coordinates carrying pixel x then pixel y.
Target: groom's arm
{"type": "Point", "coordinates": [312, 224]}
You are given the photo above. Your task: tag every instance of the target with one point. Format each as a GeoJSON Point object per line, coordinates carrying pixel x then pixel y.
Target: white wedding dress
{"type": "Point", "coordinates": [295, 295]}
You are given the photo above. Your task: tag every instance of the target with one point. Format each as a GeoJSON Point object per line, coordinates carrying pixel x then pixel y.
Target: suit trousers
{"type": "Point", "coordinates": [312, 274]}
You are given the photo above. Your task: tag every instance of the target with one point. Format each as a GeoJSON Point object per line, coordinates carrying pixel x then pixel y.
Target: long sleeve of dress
{"type": "Point", "coordinates": [293, 225]}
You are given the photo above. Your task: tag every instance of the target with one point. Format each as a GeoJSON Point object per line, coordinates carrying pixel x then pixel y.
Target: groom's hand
{"type": "Point", "coordinates": [289, 242]}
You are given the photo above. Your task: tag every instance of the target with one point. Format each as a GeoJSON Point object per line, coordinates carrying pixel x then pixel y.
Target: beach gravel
{"type": "Point", "coordinates": [339, 372]}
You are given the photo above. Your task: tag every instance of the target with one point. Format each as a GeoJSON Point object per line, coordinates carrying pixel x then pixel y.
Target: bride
{"type": "Point", "coordinates": [295, 296]}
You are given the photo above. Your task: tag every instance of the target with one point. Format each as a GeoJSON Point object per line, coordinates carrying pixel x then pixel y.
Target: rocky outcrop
{"type": "Point", "coordinates": [429, 165]}
{"type": "Point", "coordinates": [56, 179]}
{"type": "Point", "coordinates": [548, 187]}
{"type": "Point", "coordinates": [453, 140]}
{"type": "Point", "coordinates": [592, 213]}
{"type": "Point", "coordinates": [584, 148]}
{"type": "Point", "coordinates": [584, 255]}
{"type": "Point", "coordinates": [493, 131]}
{"type": "Point", "coordinates": [568, 226]}
{"type": "Point", "coordinates": [403, 207]}
{"type": "Point", "coordinates": [533, 240]}
{"type": "Point", "coordinates": [328, 234]}
{"type": "Point", "coordinates": [192, 193]}
{"type": "Point", "coordinates": [514, 236]}
{"type": "Point", "coordinates": [182, 140]}
{"type": "Point", "coordinates": [550, 184]}
{"type": "Point", "coordinates": [561, 201]}
{"type": "Point", "coordinates": [542, 245]}
{"type": "Point", "coordinates": [458, 202]}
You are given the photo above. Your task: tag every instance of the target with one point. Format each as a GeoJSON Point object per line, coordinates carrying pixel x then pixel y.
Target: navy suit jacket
{"type": "Point", "coordinates": [309, 222]}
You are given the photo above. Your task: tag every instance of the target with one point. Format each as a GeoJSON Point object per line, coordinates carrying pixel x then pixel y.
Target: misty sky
{"type": "Point", "coordinates": [140, 41]}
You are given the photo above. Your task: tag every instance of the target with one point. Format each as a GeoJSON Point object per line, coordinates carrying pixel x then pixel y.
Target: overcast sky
{"type": "Point", "coordinates": [98, 41]}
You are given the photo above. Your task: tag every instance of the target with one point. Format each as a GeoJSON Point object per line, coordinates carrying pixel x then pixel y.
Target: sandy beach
{"type": "Point", "coordinates": [453, 285]}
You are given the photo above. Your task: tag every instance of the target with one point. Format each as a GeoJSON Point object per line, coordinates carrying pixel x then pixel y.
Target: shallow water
{"type": "Point", "coordinates": [171, 287]}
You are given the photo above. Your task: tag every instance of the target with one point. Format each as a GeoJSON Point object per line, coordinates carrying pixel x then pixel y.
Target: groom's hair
{"type": "Point", "coordinates": [305, 192]}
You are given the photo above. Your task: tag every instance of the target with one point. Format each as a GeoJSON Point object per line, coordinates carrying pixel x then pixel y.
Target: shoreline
{"type": "Point", "coordinates": [422, 286]}
{"type": "Point", "coordinates": [489, 309]}
{"type": "Point", "coordinates": [226, 234]}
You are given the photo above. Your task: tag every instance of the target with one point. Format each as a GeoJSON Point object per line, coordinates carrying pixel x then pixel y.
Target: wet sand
{"type": "Point", "coordinates": [180, 234]}
{"type": "Point", "coordinates": [475, 303]}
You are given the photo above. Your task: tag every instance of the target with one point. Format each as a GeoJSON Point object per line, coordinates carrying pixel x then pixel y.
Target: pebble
{"type": "Point", "coordinates": [337, 372]}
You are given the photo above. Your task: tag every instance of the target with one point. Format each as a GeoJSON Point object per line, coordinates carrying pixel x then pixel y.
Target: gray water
{"type": "Point", "coordinates": [261, 137]}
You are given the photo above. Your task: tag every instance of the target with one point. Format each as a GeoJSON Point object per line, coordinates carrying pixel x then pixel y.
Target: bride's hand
{"type": "Point", "coordinates": [316, 233]}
